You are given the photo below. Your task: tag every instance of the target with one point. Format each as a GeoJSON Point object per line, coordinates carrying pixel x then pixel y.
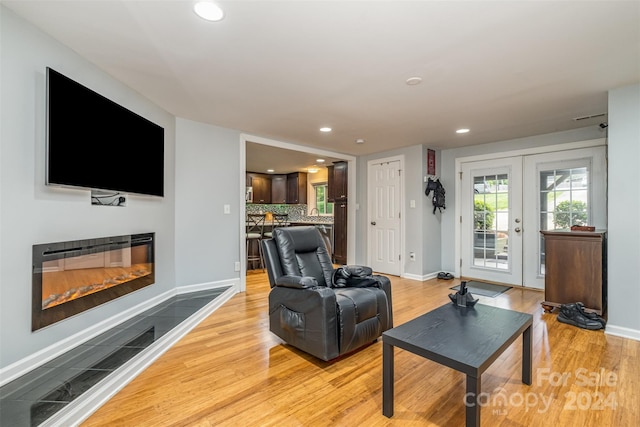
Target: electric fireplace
{"type": "Point", "coordinates": [74, 276]}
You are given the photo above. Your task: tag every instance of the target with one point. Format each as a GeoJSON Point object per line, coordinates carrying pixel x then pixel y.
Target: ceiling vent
{"type": "Point", "coordinates": [577, 119]}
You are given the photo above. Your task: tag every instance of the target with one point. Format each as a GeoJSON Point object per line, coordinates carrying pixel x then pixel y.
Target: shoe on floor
{"type": "Point", "coordinates": [445, 276]}
{"type": "Point", "coordinates": [590, 315]}
{"type": "Point", "coordinates": [575, 311]}
{"type": "Point", "coordinates": [577, 319]}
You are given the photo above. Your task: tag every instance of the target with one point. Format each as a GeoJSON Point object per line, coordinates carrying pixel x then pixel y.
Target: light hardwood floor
{"type": "Point", "coordinates": [231, 371]}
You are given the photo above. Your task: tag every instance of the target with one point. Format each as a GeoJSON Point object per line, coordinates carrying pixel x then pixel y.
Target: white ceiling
{"type": "Point", "coordinates": [283, 69]}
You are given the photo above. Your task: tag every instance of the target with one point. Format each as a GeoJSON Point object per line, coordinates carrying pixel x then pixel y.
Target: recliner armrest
{"type": "Point", "coordinates": [298, 282]}
{"type": "Point", "coordinates": [358, 270]}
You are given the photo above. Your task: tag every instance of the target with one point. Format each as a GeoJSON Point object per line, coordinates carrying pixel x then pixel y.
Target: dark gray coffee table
{"type": "Point", "coordinates": [467, 339]}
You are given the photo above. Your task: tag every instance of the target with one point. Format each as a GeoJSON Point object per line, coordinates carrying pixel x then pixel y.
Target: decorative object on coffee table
{"type": "Point", "coordinates": [485, 289]}
{"type": "Point", "coordinates": [463, 297]}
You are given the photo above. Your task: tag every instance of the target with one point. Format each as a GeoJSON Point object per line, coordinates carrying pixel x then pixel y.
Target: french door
{"type": "Point", "coordinates": [505, 203]}
{"type": "Point", "coordinates": [491, 220]}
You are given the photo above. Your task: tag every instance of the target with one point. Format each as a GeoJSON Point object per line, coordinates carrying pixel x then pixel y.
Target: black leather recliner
{"type": "Point", "coordinates": [311, 310]}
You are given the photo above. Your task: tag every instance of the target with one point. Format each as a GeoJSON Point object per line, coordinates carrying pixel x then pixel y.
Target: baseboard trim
{"type": "Point", "coordinates": [418, 277]}
{"type": "Point", "coordinates": [89, 402]}
{"type": "Point", "coordinates": [37, 359]}
{"type": "Point", "coordinates": [621, 331]}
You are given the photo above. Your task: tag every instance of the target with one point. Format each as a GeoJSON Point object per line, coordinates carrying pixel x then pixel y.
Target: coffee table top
{"type": "Point", "coordinates": [467, 339]}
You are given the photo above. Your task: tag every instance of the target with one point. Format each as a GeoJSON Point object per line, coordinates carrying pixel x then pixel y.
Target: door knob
{"type": "Point", "coordinates": [517, 220]}
{"type": "Point", "coordinates": [517, 229]}
{"type": "Point", "coordinates": [373, 223]}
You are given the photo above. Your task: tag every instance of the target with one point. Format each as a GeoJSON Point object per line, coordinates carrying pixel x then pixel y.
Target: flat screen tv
{"type": "Point", "coordinates": [94, 143]}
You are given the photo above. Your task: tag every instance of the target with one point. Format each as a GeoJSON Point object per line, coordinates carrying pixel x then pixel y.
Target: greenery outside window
{"type": "Point", "coordinates": [320, 199]}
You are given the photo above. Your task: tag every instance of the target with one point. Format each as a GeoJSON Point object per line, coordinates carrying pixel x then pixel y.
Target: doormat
{"type": "Point", "coordinates": [485, 289]}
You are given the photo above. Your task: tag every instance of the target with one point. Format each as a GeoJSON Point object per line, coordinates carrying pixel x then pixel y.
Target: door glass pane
{"type": "Point", "coordinates": [491, 221]}
{"type": "Point", "coordinates": [564, 195]}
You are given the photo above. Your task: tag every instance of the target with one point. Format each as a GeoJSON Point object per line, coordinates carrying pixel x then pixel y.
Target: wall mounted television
{"type": "Point", "coordinates": [95, 143]}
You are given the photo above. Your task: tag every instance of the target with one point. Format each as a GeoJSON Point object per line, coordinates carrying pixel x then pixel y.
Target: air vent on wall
{"type": "Point", "coordinates": [590, 117]}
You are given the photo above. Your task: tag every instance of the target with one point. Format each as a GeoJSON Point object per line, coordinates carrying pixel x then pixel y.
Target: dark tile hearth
{"type": "Point", "coordinates": [34, 397]}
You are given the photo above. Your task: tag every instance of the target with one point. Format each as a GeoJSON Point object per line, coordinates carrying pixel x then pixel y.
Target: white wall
{"type": "Point", "coordinates": [31, 212]}
{"type": "Point", "coordinates": [624, 212]}
{"type": "Point", "coordinates": [207, 239]}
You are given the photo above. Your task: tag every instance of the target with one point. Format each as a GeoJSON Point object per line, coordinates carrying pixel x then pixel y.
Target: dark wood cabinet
{"type": "Point", "coordinates": [297, 188]}
{"type": "Point", "coordinates": [337, 182]}
{"type": "Point", "coordinates": [261, 184]}
{"type": "Point", "coordinates": [278, 189]}
{"type": "Point", "coordinates": [340, 233]}
{"type": "Point", "coordinates": [575, 269]}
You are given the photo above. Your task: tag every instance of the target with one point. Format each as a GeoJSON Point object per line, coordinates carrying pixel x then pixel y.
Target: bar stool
{"type": "Point", "coordinates": [254, 233]}
{"type": "Point", "coordinates": [279, 220]}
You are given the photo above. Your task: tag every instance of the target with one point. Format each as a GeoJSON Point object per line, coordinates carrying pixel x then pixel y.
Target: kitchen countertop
{"type": "Point", "coordinates": [310, 222]}
{"type": "Point", "coordinates": [299, 222]}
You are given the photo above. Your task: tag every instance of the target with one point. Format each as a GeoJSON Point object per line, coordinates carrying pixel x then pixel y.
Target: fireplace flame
{"type": "Point", "coordinates": [80, 291]}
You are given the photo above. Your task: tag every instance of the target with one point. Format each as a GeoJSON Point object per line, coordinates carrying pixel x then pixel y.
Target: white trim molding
{"type": "Point", "coordinates": [90, 401]}
{"type": "Point", "coordinates": [419, 278]}
{"type": "Point", "coordinates": [620, 331]}
{"type": "Point", "coordinates": [39, 358]}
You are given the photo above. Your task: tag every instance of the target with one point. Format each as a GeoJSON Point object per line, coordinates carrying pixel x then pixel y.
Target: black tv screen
{"type": "Point", "coordinates": [94, 143]}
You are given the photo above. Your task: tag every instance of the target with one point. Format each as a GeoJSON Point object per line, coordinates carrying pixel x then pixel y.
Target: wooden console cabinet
{"type": "Point", "coordinates": [575, 269]}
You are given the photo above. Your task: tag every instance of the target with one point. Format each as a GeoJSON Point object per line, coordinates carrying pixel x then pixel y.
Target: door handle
{"type": "Point", "coordinates": [373, 223]}
{"type": "Point", "coordinates": [517, 229]}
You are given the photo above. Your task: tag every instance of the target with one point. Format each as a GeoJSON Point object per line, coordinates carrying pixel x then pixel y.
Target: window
{"type": "Point", "coordinates": [564, 201]}
{"type": "Point", "coordinates": [320, 199]}
{"type": "Point", "coordinates": [564, 198]}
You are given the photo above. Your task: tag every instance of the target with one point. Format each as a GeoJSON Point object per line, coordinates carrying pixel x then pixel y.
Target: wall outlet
{"type": "Point", "coordinates": [236, 266]}
{"type": "Point", "coordinates": [412, 256]}
{"type": "Point", "coordinates": [412, 203]}
{"type": "Point", "coordinates": [227, 209]}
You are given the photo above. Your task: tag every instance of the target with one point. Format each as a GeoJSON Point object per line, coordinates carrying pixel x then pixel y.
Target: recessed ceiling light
{"type": "Point", "coordinates": [208, 10]}
{"type": "Point", "coordinates": [462, 131]}
{"type": "Point", "coordinates": [320, 160]}
{"type": "Point", "coordinates": [359, 141]}
{"type": "Point", "coordinates": [412, 81]}
{"type": "Point", "coordinates": [312, 170]}
{"type": "Point", "coordinates": [270, 170]}
{"type": "Point", "coordinates": [325, 129]}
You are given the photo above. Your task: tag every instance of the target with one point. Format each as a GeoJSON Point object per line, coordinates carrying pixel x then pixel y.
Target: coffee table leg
{"type": "Point", "coordinates": [526, 356]}
{"type": "Point", "coordinates": [471, 401]}
{"type": "Point", "coordinates": [387, 379]}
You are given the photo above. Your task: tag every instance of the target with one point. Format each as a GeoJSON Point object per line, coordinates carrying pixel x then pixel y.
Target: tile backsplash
{"type": "Point", "coordinates": [296, 212]}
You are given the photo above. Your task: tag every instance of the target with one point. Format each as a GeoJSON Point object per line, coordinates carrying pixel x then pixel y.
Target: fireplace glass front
{"type": "Point", "coordinates": [74, 276]}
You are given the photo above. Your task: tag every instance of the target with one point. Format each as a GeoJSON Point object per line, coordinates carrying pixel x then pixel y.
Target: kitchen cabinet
{"type": "Point", "coordinates": [297, 188]}
{"type": "Point", "coordinates": [278, 189]}
{"type": "Point", "coordinates": [261, 184]}
{"type": "Point", "coordinates": [337, 179]}
{"type": "Point", "coordinates": [575, 269]}
{"type": "Point", "coordinates": [340, 233]}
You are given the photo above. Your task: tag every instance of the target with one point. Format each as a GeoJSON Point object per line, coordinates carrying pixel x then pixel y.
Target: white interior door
{"type": "Point", "coordinates": [384, 217]}
{"type": "Point", "coordinates": [491, 220]}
